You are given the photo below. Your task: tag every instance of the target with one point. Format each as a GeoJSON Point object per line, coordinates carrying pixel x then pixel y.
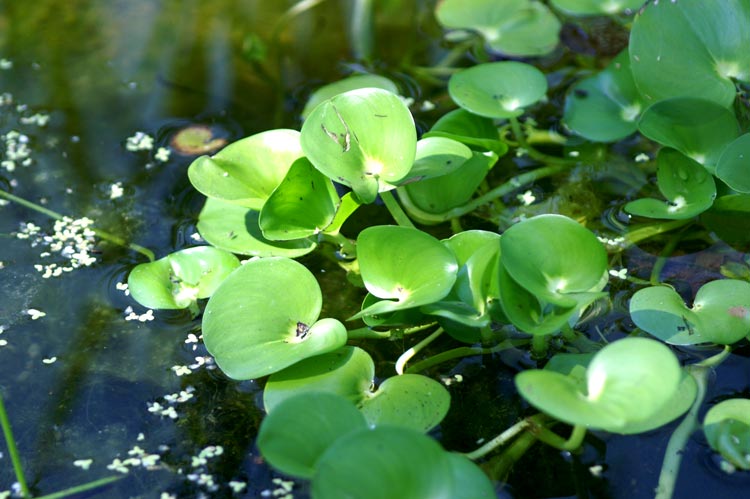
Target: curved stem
{"type": "Point", "coordinates": [81, 488]}
{"type": "Point", "coordinates": [404, 357]}
{"type": "Point", "coordinates": [395, 209]}
{"type": "Point", "coordinates": [15, 457]}
{"type": "Point", "coordinates": [662, 260]}
{"type": "Point", "coordinates": [673, 455]}
{"type": "Point", "coordinates": [369, 333]}
{"type": "Point", "coordinates": [641, 233]}
{"type": "Point", "coordinates": [457, 353]}
{"type": "Point", "coordinates": [500, 440]}
{"type": "Point", "coordinates": [552, 439]}
{"type": "Point", "coordinates": [57, 216]}
{"type": "Point", "coordinates": [520, 136]}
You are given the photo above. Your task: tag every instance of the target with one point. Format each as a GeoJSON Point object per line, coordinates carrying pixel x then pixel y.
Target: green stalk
{"type": "Point", "coordinates": [515, 126]}
{"type": "Point", "coordinates": [670, 467]}
{"type": "Point", "coordinates": [662, 260]}
{"type": "Point", "coordinates": [395, 209]}
{"type": "Point", "coordinates": [100, 233]}
{"type": "Point", "coordinates": [404, 357]}
{"type": "Point", "coordinates": [641, 233]}
{"type": "Point", "coordinates": [81, 488]}
{"type": "Point", "coordinates": [15, 457]}
{"type": "Point", "coordinates": [457, 353]}
{"type": "Point", "coordinates": [361, 30]}
{"type": "Point", "coordinates": [499, 440]}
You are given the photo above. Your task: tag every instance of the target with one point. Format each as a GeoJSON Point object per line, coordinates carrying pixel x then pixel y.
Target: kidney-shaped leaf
{"type": "Point", "coordinates": [179, 279]}
{"type": "Point", "coordinates": [720, 313]}
{"type": "Point", "coordinates": [551, 256]}
{"type": "Point", "coordinates": [596, 7]}
{"type": "Point", "coordinates": [605, 107]}
{"type": "Point", "coordinates": [498, 89]}
{"type": "Point", "coordinates": [727, 429]}
{"type": "Point", "coordinates": [513, 27]}
{"type": "Point", "coordinates": [301, 206]}
{"type": "Point", "coordinates": [437, 156]}
{"type": "Point", "coordinates": [689, 188]}
{"type": "Point", "coordinates": [247, 171]}
{"type": "Point", "coordinates": [363, 138]}
{"type": "Point", "coordinates": [349, 83]}
{"type": "Point", "coordinates": [262, 318]}
{"type": "Point", "coordinates": [628, 382]}
{"type": "Point", "coordinates": [234, 228]}
{"type": "Point", "coordinates": [293, 438]}
{"type": "Point", "coordinates": [408, 400]}
{"type": "Point", "coordinates": [683, 48]}
{"type": "Point", "coordinates": [698, 128]}
{"type": "Point", "coordinates": [403, 266]}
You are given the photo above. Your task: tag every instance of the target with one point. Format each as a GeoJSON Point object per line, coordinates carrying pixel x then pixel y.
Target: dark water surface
{"type": "Point", "coordinates": [85, 383]}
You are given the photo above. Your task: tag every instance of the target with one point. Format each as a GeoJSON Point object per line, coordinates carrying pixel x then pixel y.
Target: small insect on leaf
{"type": "Point", "coordinates": [302, 330]}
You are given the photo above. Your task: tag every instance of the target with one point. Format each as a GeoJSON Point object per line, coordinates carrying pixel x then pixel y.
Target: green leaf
{"type": "Point", "coordinates": [247, 171]}
{"type": "Point", "coordinates": [596, 7]}
{"type": "Point", "coordinates": [384, 463]}
{"type": "Point", "coordinates": [683, 49]}
{"type": "Point", "coordinates": [403, 266]}
{"type": "Point", "coordinates": [552, 256]}
{"type": "Point", "coordinates": [689, 188]}
{"type": "Point", "coordinates": [469, 481]}
{"type": "Point", "coordinates": [437, 156]}
{"type": "Point", "coordinates": [514, 27]}
{"type": "Point", "coordinates": [720, 313]}
{"type": "Point", "coordinates": [628, 382]}
{"type": "Point", "coordinates": [303, 205]}
{"type": "Point", "coordinates": [347, 372]}
{"type": "Point", "coordinates": [698, 128]}
{"type": "Point", "coordinates": [729, 218]}
{"type": "Point", "coordinates": [179, 279]}
{"type": "Point", "coordinates": [498, 89]}
{"type": "Point", "coordinates": [734, 166]}
{"type": "Point", "coordinates": [408, 400]}
{"type": "Point", "coordinates": [362, 138]}
{"type": "Point", "coordinates": [727, 429]}
{"type": "Point", "coordinates": [349, 83]}
{"type": "Point", "coordinates": [293, 437]}
{"type": "Point", "coordinates": [605, 107]}
{"type": "Point", "coordinates": [234, 228]}
{"type": "Point", "coordinates": [264, 317]}
{"type": "Point", "coordinates": [475, 131]}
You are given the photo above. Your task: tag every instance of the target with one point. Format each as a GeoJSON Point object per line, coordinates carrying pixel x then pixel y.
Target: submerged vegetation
{"type": "Point", "coordinates": [497, 247]}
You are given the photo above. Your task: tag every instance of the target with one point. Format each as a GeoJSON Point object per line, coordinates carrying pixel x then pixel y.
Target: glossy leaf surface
{"type": "Point", "coordinates": [349, 83]}
{"type": "Point", "coordinates": [247, 171]}
{"type": "Point", "coordinates": [720, 313]}
{"type": "Point", "coordinates": [362, 138]}
{"type": "Point", "coordinates": [596, 7]}
{"type": "Point", "coordinates": [264, 317]}
{"type": "Point", "coordinates": [727, 429]}
{"type": "Point", "coordinates": [734, 164]}
{"type": "Point", "coordinates": [498, 89]}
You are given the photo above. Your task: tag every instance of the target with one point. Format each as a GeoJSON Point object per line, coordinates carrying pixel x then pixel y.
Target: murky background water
{"type": "Point", "coordinates": [95, 378]}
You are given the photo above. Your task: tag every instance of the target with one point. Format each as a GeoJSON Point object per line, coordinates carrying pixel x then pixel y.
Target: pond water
{"type": "Point", "coordinates": [95, 384]}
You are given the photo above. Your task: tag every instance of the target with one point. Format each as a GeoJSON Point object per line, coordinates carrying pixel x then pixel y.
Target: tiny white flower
{"type": "Point", "coordinates": [35, 314]}
{"type": "Point", "coordinates": [84, 464]}
{"type": "Point", "coordinates": [49, 360]}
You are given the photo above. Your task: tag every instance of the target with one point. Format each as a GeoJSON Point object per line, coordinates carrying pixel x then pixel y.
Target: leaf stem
{"type": "Point", "coordinates": [404, 357]}
{"type": "Point", "coordinates": [500, 440]}
{"type": "Point", "coordinates": [57, 216]}
{"type": "Point", "coordinates": [520, 136]}
{"type": "Point", "coordinates": [81, 488]}
{"type": "Point", "coordinates": [457, 353]}
{"type": "Point", "coordinates": [15, 457]}
{"type": "Point", "coordinates": [673, 455]}
{"type": "Point", "coordinates": [395, 209]}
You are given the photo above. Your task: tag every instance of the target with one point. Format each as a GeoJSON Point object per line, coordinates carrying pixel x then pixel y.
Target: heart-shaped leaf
{"type": "Point", "coordinates": [437, 156]}
{"type": "Point", "coordinates": [264, 317]}
{"type": "Point", "coordinates": [734, 164]}
{"type": "Point", "coordinates": [234, 228]}
{"type": "Point", "coordinates": [303, 204]}
{"type": "Point", "coordinates": [349, 83]}
{"type": "Point", "coordinates": [363, 138]}
{"type": "Point", "coordinates": [475, 131]}
{"type": "Point", "coordinates": [689, 188]}
{"type": "Point", "coordinates": [681, 48]}
{"type": "Point", "coordinates": [698, 128]}
{"type": "Point", "coordinates": [403, 266]}
{"type": "Point", "coordinates": [605, 107]}
{"type": "Point", "coordinates": [720, 313]}
{"type": "Point", "coordinates": [181, 278]}
{"type": "Point", "coordinates": [513, 27]}
{"type": "Point", "coordinates": [247, 171]}
{"type": "Point", "coordinates": [498, 89]}
{"type": "Point", "coordinates": [293, 438]}
{"type": "Point", "coordinates": [627, 383]}
{"type": "Point", "coordinates": [552, 256]}
{"type": "Point", "coordinates": [727, 429]}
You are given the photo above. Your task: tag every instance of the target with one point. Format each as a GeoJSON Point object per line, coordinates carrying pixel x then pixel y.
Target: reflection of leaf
{"type": "Point", "coordinates": [513, 27]}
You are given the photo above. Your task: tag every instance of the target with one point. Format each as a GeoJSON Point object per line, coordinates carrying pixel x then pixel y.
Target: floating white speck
{"type": "Point", "coordinates": [116, 190]}
{"type": "Point", "coordinates": [162, 154]}
{"type": "Point", "coordinates": [84, 464]}
{"type": "Point", "coordinates": [35, 314]}
{"type": "Point", "coordinates": [3, 343]}
{"type": "Point", "coordinates": [139, 141]}
{"type": "Point", "coordinates": [49, 360]}
{"type": "Point", "coordinates": [181, 370]}
{"type": "Point", "coordinates": [526, 198]}
{"type": "Point", "coordinates": [6, 64]}
{"type": "Point", "coordinates": [237, 486]}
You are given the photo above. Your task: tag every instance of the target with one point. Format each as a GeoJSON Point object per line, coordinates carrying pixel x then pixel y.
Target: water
{"type": "Point", "coordinates": [82, 382]}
